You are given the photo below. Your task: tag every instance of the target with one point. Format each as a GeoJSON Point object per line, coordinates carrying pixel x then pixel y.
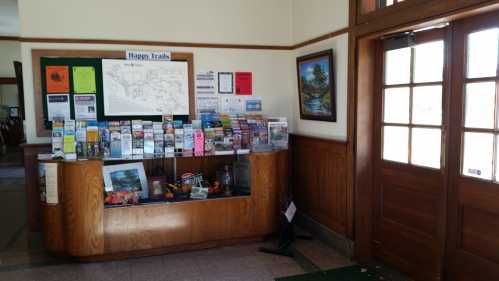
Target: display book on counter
{"type": "Point", "coordinates": [211, 134]}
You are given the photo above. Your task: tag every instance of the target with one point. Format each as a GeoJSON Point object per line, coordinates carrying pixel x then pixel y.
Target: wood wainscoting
{"type": "Point", "coordinates": [319, 182]}
{"type": "Point", "coordinates": [32, 189]}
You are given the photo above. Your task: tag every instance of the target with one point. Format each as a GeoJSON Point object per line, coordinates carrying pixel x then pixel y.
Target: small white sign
{"type": "Point", "coordinates": [149, 55]}
{"type": "Point", "coordinates": [290, 212]}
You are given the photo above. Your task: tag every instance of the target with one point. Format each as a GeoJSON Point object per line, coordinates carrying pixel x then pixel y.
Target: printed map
{"type": "Point", "coordinates": [145, 87]}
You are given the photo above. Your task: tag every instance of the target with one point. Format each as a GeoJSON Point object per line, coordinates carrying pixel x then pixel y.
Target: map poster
{"type": "Point", "coordinates": [145, 88]}
{"type": "Point", "coordinates": [84, 79]}
{"type": "Point", "coordinates": [57, 79]}
{"type": "Point", "coordinates": [244, 83]}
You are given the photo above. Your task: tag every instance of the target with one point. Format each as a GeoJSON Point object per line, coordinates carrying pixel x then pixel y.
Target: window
{"type": "Point", "coordinates": [412, 104]}
{"type": "Point", "coordinates": [480, 131]}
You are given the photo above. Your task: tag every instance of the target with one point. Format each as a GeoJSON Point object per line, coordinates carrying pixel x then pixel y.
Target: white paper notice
{"type": "Point", "coordinates": [205, 83]}
{"type": "Point", "coordinates": [231, 104]}
{"type": "Point", "coordinates": [225, 83]}
{"type": "Point", "coordinates": [58, 106]}
{"type": "Point", "coordinates": [51, 183]}
{"type": "Point", "coordinates": [207, 104]}
{"type": "Point", "coordinates": [85, 107]}
{"type": "Point", "coordinates": [290, 212]}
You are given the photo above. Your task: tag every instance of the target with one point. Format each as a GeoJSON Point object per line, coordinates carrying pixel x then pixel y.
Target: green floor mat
{"type": "Point", "coordinates": [350, 273]}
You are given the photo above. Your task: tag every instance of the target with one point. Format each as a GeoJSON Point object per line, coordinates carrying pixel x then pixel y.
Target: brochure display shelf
{"type": "Point", "coordinates": [80, 226]}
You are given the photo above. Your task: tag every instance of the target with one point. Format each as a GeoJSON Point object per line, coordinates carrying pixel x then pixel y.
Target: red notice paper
{"type": "Point", "coordinates": [57, 79]}
{"type": "Point", "coordinates": [244, 83]}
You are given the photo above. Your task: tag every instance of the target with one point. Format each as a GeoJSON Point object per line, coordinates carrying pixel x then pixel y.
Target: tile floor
{"type": "Point", "coordinates": [242, 262]}
{"type": "Point", "coordinates": [22, 257]}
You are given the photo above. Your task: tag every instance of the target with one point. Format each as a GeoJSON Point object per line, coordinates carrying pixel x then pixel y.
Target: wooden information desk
{"type": "Point", "coordinates": [81, 226]}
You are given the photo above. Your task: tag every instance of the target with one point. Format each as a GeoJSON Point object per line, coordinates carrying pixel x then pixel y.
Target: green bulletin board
{"type": "Point", "coordinates": [99, 92]}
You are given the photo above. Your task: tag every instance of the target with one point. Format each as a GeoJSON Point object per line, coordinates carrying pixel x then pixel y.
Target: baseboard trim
{"type": "Point", "coordinates": [335, 240]}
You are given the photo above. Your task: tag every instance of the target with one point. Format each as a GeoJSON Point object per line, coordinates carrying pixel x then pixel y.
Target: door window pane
{"type": "Point", "coordinates": [426, 147]}
{"type": "Point", "coordinates": [482, 53]}
{"type": "Point", "coordinates": [396, 105]}
{"type": "Point", "coordinates": [398, 66]}
{"type": "Point", "coordinates": [478, 153]}
{"type": "Point", "coordinates": [396, 143]}
{"type": "Point", "coordinates": [480, 104]}
{"type": "Point", "coordinates": [427, 105]}
{"type": "Point", "coordinates": [429, 62]}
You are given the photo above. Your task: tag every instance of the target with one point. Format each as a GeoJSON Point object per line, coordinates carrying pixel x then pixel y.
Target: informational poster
{"type": "Point", "coordinates": [207, 104]}
{"type": "Point", "coordinates": [225, 83]}
{"type": "Point", "coordinates": [85, 107]}
{"type": "Point", "coordinates": [51, 183]}
{"type": "Point", "coordinates": [205, 83]}
{"type": "Point", "coordinates": [84, 79]}
{"type": "Point", "coordinates": [231, 104]}
{"type": "Point", "coordinates": [57, 78]}
{"type": "Point", "coordinates": [244, 83]}
{"type": "Point", "coordinates": [253, 104]}
{"type": "Point", "coordinates": [58, 106]}
{"type": "Point", "coordinates": [145, 88]}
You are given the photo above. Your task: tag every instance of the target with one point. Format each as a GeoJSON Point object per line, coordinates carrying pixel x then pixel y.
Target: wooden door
{"type": "Point", "coordinates": [409, 195]}
{"type": "Point", "coordinates": [473, 206]}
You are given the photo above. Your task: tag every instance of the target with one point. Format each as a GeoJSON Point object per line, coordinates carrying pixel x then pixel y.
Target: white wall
{"type": "Point", "coordinates": [313, 18]}
{"type": "Point", "coordinates": [205, 21]}
{"type": "Point", "coordinates": [271, 75]}
{"type": "Point", "coordinates": [261, 22]}
{"type": "Point", "coordinates": [9, 52]}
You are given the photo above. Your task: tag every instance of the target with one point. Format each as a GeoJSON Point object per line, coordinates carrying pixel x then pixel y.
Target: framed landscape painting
{"type": "Point", "coordinates": [315, 86]}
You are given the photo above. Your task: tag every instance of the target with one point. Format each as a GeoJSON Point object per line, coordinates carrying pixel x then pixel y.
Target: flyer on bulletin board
{"type": "Point", "coordinates": [244, 83]}
{"type": "Point", "coordinates": [57, 79]}
{"type": "Point", "coordinates": [84, 79]}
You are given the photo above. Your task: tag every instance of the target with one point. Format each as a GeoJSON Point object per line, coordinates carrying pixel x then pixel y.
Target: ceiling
{"type": "Point", "coordinates": [9, 18]}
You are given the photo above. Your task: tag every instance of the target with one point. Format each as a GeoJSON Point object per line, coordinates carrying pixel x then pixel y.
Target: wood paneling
{"type": "Point", "coordinates": [320, 181]}
{"type": "Point", "coordinates": [8, 80]}
{"type": "Point", "coordinates": [361, 117]}
{"type": "Point", "coordinates": [52, 219]}
{"type": "Point", "coordinates": [32, 189]}
{"type": "Point", "coordinates": [402, 14]}
{"type": "Point", "coordinates": [83, 202]}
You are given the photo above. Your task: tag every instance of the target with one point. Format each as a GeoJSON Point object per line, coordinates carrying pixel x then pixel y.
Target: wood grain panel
{"type": "Point", "coordinates": [32, 188]}
{"type": "Point", "coordinates": [52, 219]}
{"type": "Point", "coordinates": [320, 181]}
{"type": "Point", "coordinates": [206, 222]}
{"type": "Point", "coordinates": [480, 231]}
{"type": "Point", "coordinates": [429, 11]}
{"type": "Point", "coordinates": [83, 203]}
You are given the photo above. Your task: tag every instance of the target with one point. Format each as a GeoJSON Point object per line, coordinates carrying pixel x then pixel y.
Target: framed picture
{"type": "Point", "coordinates": [126, 177]}
{"type": "Point", "coordinates": [225, 82]}
{"type": "Point", "coordinates": [316, 86]}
